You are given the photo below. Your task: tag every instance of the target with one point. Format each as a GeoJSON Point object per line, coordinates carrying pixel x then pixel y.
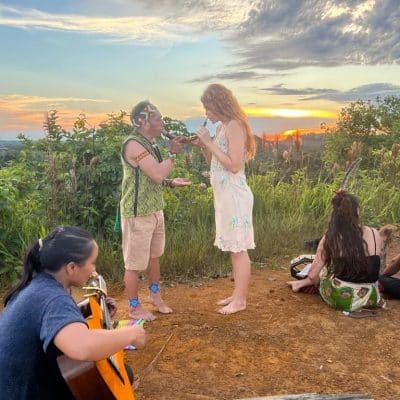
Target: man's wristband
{"type": "Point", "coordinates": [167, 182]}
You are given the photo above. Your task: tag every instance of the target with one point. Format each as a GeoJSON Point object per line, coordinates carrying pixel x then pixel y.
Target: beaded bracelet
{"type": "Point", "coordinates": [167, 182]}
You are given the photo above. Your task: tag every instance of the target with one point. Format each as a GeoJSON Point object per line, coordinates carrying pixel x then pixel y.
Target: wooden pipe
{"type": "Point", "coordinates": [183, 139]}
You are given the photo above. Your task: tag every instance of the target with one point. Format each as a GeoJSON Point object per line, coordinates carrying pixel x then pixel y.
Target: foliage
{"type": "Point", "coordinates": [363, 128]}
{"type": "Point", "coordinates": [73, 177]}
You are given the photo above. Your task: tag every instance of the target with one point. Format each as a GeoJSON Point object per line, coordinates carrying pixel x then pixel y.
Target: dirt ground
{"type": "Point", "coordinates": [284, 343]}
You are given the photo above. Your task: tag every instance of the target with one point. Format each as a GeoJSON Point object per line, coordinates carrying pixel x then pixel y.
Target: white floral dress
{"type": "Point", "coordinates": [233, 203]}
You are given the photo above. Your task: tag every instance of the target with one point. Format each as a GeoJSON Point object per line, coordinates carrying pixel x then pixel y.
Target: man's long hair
{"type": "Point", "coordinates": [221, 101]}
{"type": "Point", "coordinates": [345, 248]}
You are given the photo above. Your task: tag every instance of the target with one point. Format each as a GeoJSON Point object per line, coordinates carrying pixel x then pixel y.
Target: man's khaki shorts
{"type": "Point", "coordinates": [142, 238]}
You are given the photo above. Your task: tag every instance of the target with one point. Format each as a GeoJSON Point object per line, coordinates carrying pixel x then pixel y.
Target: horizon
{"type": "Point", "coordinates": [290, 64]}
{"type": "Point", "coordinates": [260, 127]}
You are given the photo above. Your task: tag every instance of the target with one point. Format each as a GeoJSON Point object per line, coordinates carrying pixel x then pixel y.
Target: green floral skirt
{"type": "Point", "coordinates": [348, 296]}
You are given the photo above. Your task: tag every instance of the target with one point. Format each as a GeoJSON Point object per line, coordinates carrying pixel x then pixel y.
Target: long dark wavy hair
{"type": "Point", "coordinates": [345, 248]}
{"type": "Point", "coordinates": [58, 248]}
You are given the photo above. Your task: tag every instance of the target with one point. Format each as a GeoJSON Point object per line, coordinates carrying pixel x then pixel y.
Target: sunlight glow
{"type": "Point", "coordinates": [288, 113]}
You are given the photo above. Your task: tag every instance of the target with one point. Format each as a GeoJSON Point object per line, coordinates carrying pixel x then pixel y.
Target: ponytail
{"type": "Point", "coordinates": [63, 245]}
{"type": "Point", "coordinates": [31, 265]}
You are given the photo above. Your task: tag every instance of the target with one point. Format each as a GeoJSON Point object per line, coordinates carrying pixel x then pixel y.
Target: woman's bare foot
{"type": "Point", "coordinates": [225, 302]}
{"type": "Point", "coordinates": [232, 307]}
{"type": "Point", "coordinates": [141, 313]}
{"type": "Point", "coordinates": [297, 285]}
{"type": "Point", "coordinates": [159, 304]}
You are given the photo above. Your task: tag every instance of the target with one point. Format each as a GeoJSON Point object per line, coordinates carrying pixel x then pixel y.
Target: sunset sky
{"type": "Point", "coordinates": [291, 63]}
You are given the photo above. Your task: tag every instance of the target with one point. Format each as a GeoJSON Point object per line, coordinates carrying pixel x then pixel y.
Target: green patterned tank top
{"type": "Point", "coordinates": [140, 195]}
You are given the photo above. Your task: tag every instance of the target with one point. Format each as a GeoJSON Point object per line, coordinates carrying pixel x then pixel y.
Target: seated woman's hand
{"type": "Point", "coordinates": [138, 336]}
{"type": "Point", "coordinates": [296, 286]}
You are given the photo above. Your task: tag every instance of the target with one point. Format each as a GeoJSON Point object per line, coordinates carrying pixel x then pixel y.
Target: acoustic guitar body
{"type": "Point", "coordinates": [93, 380]}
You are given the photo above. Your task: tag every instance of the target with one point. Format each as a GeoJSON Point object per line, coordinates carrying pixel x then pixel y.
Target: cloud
{"type": "Point", "coordinates": [137, 28]}
{"type": "Point", "coordinates": [169, 21]}
{"type": "Point", "coordinates": [364, 92]}
{"type": "Point", "coordinates": [27, 113]}
{"type": "Point", "coordinates": [234, 76]}
{"type": "Point", "coordinates": [289, 34]}
{"type": "Point", "coordinates": [280, 89]}
{"type": "Point", "coordinates": [261, 34]}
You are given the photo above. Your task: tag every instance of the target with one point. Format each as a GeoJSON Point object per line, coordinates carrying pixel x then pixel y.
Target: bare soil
{"type": "Point", "coordinates": [284, 343]}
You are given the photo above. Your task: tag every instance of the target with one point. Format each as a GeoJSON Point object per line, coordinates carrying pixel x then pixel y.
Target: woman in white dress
{"type": "Point", "coordinates": [233, 144]}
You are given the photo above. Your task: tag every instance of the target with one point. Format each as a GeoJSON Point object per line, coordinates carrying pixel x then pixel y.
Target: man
{"type": "Point", "coordinates": [142, 218]}
{"type": "Point", "coordinates": [389, 280]}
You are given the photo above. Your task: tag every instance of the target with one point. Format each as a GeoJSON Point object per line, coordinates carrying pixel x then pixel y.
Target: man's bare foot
{"type": "Point", "coordinates": [232, 307]}
{"type": "Point", "coordinates": [224, 302]}
{"type": "Point", "coordinates": [159, 304]}
{"type": "Point", "coordinates": [141, 313]}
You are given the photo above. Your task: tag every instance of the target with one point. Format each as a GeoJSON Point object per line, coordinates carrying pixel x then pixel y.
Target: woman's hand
{"type": "Point", "coordinates": [204, 136]}
{"type": "Point", "coordinates": [296, 286]}
{"type": "Point", "coordinates": [138, 336]}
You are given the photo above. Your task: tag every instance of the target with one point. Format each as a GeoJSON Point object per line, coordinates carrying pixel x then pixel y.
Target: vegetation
{"type": "Point", "coordinates": [73, 177]}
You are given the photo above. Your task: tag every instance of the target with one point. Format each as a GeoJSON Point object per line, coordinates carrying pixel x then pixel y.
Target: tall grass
{"type": "Point", "coordinates": [285, 214]}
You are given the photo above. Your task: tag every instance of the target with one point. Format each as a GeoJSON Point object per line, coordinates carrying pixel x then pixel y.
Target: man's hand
{"type": "Point", "coordinates": [175, 145]}
{"type": "Point", "coordinates": [196, 142]}
{"type": "Point", "coordinates": [177, 182]}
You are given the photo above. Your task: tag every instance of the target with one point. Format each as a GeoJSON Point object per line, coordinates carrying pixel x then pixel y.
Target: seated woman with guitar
{"type": "Point", "coordinates": [41, 319]}
{"type": "Point", "coordinates": [346, 265]}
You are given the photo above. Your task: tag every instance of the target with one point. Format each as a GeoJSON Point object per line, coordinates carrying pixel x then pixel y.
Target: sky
{"type": "Point", "coordinates": [290, 63]}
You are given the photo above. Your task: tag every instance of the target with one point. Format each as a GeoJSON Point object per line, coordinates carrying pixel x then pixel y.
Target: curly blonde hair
{"type": "Point", "coordinates": [221, 101]}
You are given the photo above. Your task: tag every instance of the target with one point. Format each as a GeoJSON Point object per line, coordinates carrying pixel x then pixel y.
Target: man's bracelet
{"type": "Point", "coordinates": [167, 182]}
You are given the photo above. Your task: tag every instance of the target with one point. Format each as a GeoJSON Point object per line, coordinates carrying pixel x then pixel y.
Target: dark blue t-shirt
{"type": "Point", "coordinates": [28, 325]}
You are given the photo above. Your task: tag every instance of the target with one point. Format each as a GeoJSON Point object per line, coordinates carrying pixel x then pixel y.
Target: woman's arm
{"type": "Point", "coordinates": [318, 262]}
{"type": "Point", "coordinates": [206, 154]}
{"type": "Point", "coordinates": [233, 160]}
{"type": "Point", "coordinates": [315, 269]}
{"type": "Point", "coordinates": [78, 342]}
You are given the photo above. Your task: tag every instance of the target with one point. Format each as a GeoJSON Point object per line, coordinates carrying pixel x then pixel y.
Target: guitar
{"type": "Point", "coordinates": [108, 379]}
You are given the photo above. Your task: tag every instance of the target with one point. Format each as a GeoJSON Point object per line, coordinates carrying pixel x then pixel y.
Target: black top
{"type": "Point", "coordinates": [371, 274]}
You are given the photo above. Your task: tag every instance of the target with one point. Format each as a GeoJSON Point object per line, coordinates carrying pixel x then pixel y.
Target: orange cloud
{"type": "Point", "coordinates": [21, 113]}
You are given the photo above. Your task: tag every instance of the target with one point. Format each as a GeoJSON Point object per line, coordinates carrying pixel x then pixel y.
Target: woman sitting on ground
{"type": "Point", "coordinates": [347, 262]}
{"type": "Point", "coordinates": [40, 319]}
{"type": "Point", "coordinates": [390, 284]}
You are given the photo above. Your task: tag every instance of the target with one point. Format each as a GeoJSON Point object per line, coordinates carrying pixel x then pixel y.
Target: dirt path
{"type": "Point", "coordinates": [283, 343]}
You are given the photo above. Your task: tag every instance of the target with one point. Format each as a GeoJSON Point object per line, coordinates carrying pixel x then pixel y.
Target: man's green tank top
{"type": "Point", "coordinates": [140, 195]}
